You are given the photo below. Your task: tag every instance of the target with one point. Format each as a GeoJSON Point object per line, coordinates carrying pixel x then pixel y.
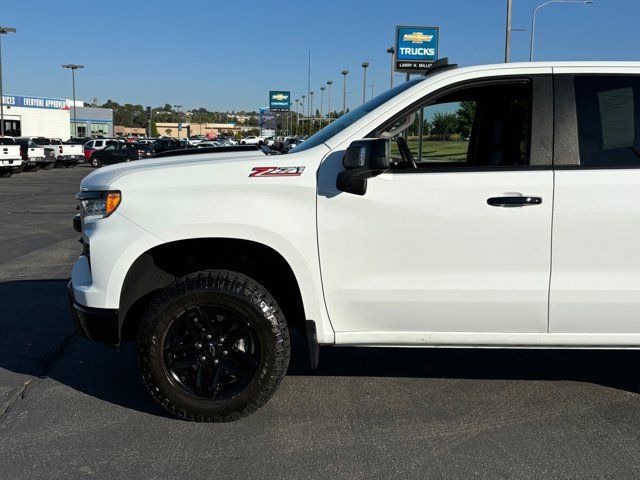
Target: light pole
{"type": "Point", "coordinates": [535, 11]}
{"type": "Point", "coordinates": [73, 68]}
{"type": "Point", "coordinates": [364, 81]}
{"type": "Point", "coordinates": [303, 97]}
{"type": "Point", "coordinates": [507, 42]}
{"type": "Point", "coordinates": [311, 115]}
{"type": "Point", "coordinates": [344, 91]}
{"type": "Point", "coordinates": [3, 31]}
{"type": "Point", "coordinates": [329, 83]}
{"type": "Point", "coordinates": [391, 50]}
{"type": "Point", "coordinates": [322, 89]}
{"type": "Point", "coordinates": [297, 115]}
{"type": "Point", "coordinates": [178, 107]}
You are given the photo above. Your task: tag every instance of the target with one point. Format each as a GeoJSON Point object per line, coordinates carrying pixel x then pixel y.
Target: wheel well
{"type": "Point", "coordinates": [160, 266]}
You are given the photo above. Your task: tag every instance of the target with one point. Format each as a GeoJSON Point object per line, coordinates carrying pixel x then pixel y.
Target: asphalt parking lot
{"type": "Point", "coordinates": [73, 409]}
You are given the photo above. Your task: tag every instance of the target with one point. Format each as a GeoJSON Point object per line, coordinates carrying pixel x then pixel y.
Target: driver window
{"type": "Point", "coordinates": [482, 126]}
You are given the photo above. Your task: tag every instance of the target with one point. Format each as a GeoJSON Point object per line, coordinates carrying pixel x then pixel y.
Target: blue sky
{"type": "Point", "coordinates": [228, 55]}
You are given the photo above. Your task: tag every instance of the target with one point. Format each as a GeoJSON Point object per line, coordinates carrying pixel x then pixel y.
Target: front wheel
{"type": "Point", "coordinates": [213, 346]}
{"type": "Point", "coordinates": [95, 162]}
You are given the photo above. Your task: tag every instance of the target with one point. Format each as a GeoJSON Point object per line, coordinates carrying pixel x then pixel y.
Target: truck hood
{"type": "Point", "coordinates": [104, 176]}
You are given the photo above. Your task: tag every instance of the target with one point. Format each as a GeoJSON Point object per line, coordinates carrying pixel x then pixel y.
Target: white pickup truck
{"type": "Point", "coordinates": [33, 155]}
{"type": "Point", "coordinates": [10, 157]}
{"type": "Point", "coordinates": [69, 154]}
{"type": "Point", "coordinates": [385, 228]}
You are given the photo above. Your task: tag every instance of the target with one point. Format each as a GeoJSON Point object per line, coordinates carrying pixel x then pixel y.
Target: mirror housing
{"type": "Point", "coordinates": [363, 159]}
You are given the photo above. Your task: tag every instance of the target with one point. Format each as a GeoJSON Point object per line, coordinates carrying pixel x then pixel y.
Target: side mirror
{"type": "Point", "coordinates": [363, 159]}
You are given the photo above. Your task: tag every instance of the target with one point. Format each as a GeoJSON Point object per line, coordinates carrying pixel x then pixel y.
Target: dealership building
{"type": "Point", "coordinates": [52, 117]}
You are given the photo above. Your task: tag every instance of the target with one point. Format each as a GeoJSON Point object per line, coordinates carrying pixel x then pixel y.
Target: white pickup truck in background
{"type": "Point", "coordinates": [10, 157]}
{"type": "Point", "coordinates": [33, 155]}
{"type": "Point", "coordinates": [64, 155]}
{"type": "Point", "coordinates": [68, 154]}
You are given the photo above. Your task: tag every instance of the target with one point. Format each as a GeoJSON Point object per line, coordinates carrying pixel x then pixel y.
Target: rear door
{"type": "Point", "coordinates": [595, 280]}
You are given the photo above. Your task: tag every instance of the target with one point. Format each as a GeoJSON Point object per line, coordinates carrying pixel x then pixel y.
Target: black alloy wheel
{"type": "Point", "coordinates": [211, 352]}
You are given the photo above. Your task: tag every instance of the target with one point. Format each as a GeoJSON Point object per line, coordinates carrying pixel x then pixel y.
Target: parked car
{"type": "Point", "coordinates": [144, 150]}
{"type": "Point", "coordinates": [167, 144]}
{"type": "Point", "coordinates": [116, 152]}
{"type": "Point", "coordinates": [34, 155]}
{"type": "Point", "coordinates": [10, 157]}
{"type": "Point", "coordinates": [96, 144]}
{"type": "Point", "coordinates": [252, 140]}
{"type": "Point", "coordinates": [208, 144]}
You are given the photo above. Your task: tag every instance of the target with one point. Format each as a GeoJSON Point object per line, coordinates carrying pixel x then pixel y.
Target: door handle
{"type": "Point", "coordinates": [515, 201]}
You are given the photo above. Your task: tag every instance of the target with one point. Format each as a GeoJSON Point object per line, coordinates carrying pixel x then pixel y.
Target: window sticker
{"type": "Point", "coordinates": [617, 118]}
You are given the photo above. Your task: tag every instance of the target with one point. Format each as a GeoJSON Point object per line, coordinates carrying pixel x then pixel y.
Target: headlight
{"type": "Point", "coordinates": [98, 204]}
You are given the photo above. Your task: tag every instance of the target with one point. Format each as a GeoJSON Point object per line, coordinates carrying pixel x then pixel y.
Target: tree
{"type": "Point", "coordinates": [444, 124]}
{"type": "Point", "coordinates": [466, 114]}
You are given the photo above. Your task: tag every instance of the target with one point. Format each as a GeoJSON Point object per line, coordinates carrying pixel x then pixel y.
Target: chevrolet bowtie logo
{"type": "Point", "coordinates": [416, 37]}
{"type": "Point", "coordinates": [279, 97]}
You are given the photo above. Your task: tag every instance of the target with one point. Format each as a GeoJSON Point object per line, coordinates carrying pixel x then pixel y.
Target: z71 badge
{"type": "Point", "coordinates": [276, 171]}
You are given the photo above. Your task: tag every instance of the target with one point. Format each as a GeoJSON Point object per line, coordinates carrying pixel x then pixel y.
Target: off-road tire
{"type": "Point", "coordinates": [231, 290]}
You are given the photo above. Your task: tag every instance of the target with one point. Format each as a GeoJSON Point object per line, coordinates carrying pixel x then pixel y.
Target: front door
{"type": "Point", "coordinates": [456, 237]}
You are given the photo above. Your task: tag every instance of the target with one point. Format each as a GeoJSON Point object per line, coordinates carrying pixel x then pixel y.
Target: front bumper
{"type": "Point", "coordinates": [99, 324]}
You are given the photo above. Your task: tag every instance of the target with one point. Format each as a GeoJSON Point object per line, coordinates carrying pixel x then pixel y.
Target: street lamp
{"type": "Point", "coordinates": [344, 91]}
{"type": "Point", "coordinates": [73, 67]}
{"type": "Point", "coordinates": [364, 81]}
{"type": "Point", "coordinates": [311, 115]}
{"type": "Point", "coordinates": [329, 83]}
{"type": "Point", "coordinates": [178, 107]}
{"type": "Point", "coordinates": [297, 100]}
{"type": "Point", "coordinates": [322, 89]}
{"type": "Point", "coordinates": [3, 31]}
{"type": "Point", "coordinates": [391, 51]}
{"type": "Point", "coordinates": [535, 11]}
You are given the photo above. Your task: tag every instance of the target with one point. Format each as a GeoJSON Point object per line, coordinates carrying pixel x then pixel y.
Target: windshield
{"type": "Point", "coordinates": [353, 116]}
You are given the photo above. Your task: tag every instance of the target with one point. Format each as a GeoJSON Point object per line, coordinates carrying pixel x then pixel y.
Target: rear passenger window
{"type": "Point", "coordinates": [608, 111]}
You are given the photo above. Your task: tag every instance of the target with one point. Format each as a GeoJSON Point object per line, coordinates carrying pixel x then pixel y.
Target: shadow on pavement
{"type": "Point", "coordinates": [37, 338]}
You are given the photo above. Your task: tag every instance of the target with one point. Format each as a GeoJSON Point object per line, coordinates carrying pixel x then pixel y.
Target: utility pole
{"type": "Point", "coordinates": [507, 43]}
{"type": "Point", "coordinates": [344, 91]}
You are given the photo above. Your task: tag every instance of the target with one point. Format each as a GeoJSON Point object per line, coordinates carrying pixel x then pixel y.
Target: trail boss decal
{"type": "Point", "coordinates": [276, 171]}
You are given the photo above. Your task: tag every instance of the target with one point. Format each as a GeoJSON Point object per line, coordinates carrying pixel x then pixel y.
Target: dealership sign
{"type": "Point", "coordinates": [35, 102]}
{"type": "Point", "coordinates": [279, 101]}
{"type": "Point", "coordinates": [416, 48]}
